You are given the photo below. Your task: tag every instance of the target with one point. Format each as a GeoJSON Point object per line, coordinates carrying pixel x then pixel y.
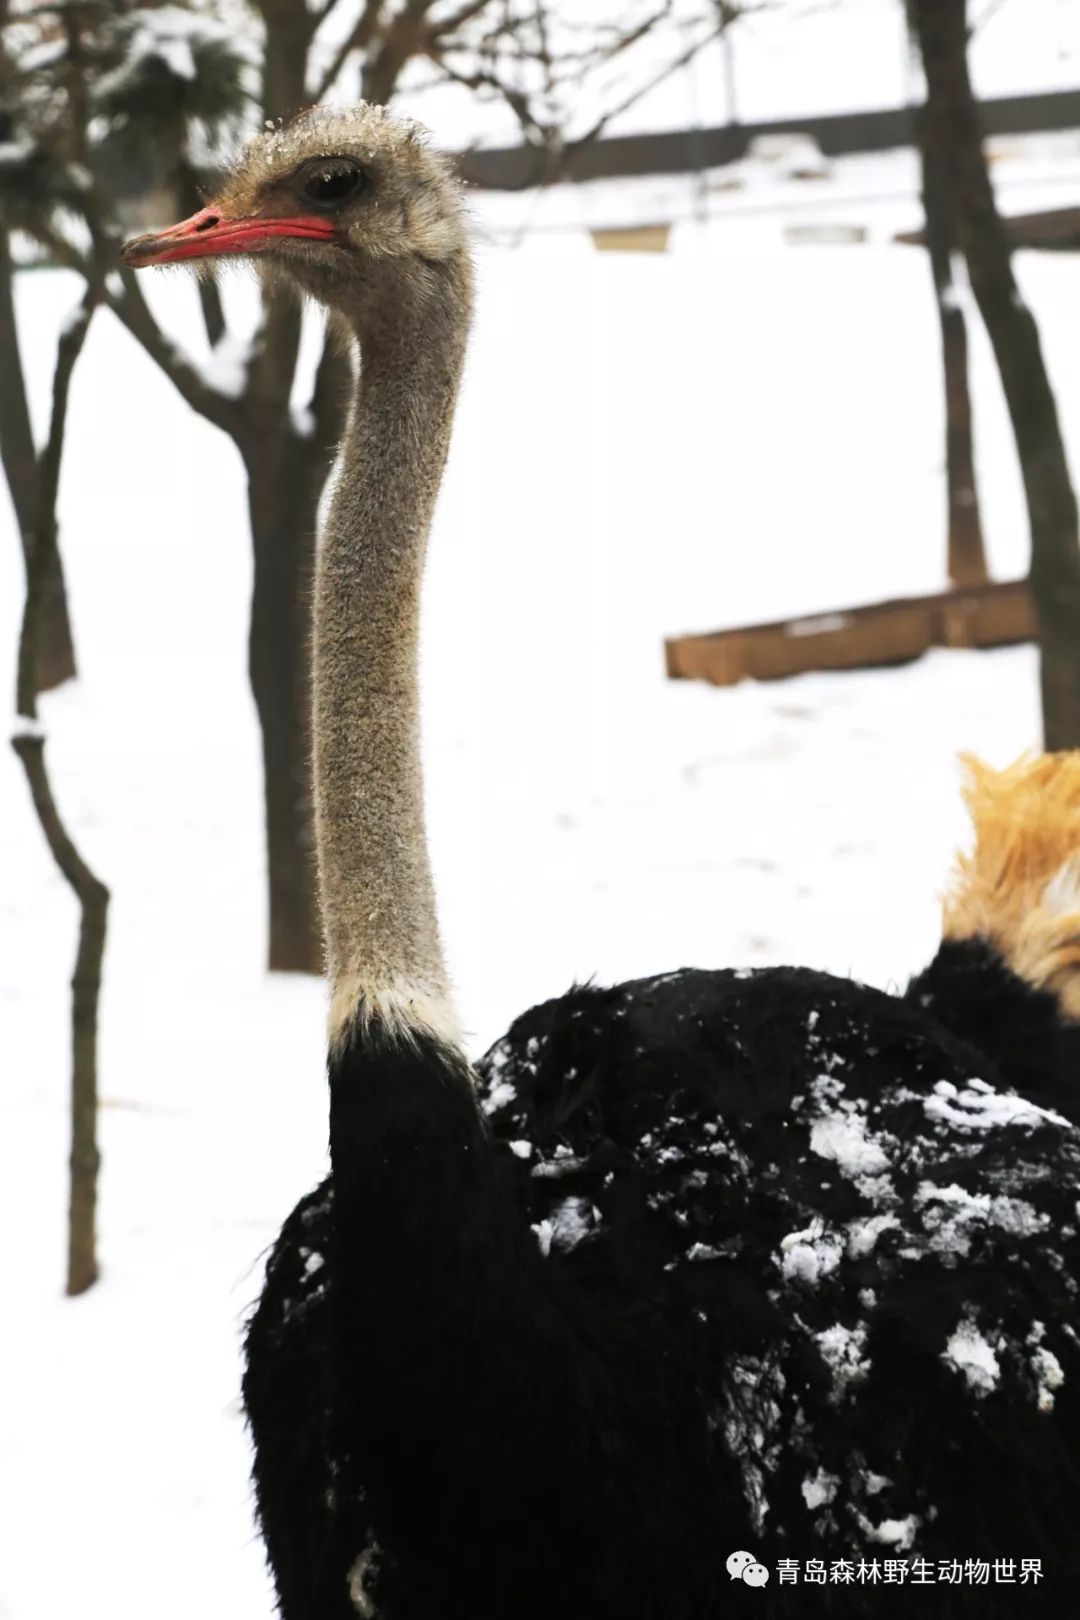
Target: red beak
{"type": "Point", "coordinates": [208, 234]}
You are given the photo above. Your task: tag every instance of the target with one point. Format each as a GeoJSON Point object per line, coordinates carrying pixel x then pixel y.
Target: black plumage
{"type": "Point", "coordinates": [707, 1261]}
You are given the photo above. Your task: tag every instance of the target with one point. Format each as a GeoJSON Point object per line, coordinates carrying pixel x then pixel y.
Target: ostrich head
{"type": "Point", "coordinates": [350, 204]}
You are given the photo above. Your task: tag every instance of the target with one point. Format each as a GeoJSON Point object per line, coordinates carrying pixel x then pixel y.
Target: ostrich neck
{"type": "Point", "coordinates": [382, 936]}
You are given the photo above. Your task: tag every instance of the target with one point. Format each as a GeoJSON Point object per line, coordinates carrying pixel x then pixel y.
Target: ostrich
{"type": "Point", "coordinates": [764, 1262]}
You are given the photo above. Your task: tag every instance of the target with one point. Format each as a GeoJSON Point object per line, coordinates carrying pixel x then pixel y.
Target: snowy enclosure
{"type": "Point", "coordinates": [646, 445]}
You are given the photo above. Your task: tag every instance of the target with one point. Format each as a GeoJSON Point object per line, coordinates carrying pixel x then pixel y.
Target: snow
{"type": "Point", "coordinates": [843, 1139]}
{"type": "Point", "coordinates": [819, 1489]}
{"type": "Point", "coordinates": [40, 57]}
{"type": "Point", "coordinates": [864, 1231]}
{"type": "Point", "coordinates": [808, 1256]}
{"type": "Point", "coordinates": [750, 1423]}
{"type": "Point", "coordinates": [545, 1231]}
{"type": "Point", "coordinates": [839, 1133]}
{"type": "Point", "coordinates": [13, 154]}
{"type": "Point", "coordinates": [563, 1164]}
{"type": "Point", "coordinates": [955, 1212]}
{"type": "Point", "coordinates": [72, 320]}
{"type": "Point", "coordinates": [572, 1221]}
{"type": "Point", "coordinates": [969, 1353]}
{"type": "Point", "coordinates": [644, 446]}
{"type": "Point", "coordinates": [227, 368]}
{"type": "Point", "coordinates": [174, 36]}
{"type": "Point", "coordinates": [842, 1351]}
{"type": "Point", "coordinates": [1047, 1369]}
{"type": "Point", "coordinates": [863, 197]}
{"type": "Point", "coordinates": [980, 1107]}
{"type": "Point", "coordinates": [1049, 1377]}
{"type": "Point", "coordinates": [899, 1533]}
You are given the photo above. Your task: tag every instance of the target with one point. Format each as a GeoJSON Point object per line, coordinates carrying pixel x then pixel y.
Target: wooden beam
{"type": "Point", "coordinates": [684, 151]}
{"type": "Point", "coordinates": [1000, 614]}
{"type": "Point", "coordinates": [1052, 229]}
{"type": "Point", "coordinates": [631, 238]}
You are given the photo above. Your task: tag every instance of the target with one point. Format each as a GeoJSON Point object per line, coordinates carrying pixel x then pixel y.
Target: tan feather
{"type": "Point", "coordinates": [1019, 886]}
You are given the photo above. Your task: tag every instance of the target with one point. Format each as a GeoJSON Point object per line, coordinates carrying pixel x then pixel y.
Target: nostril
{"type": "Point", "coordinates": [208, 223]}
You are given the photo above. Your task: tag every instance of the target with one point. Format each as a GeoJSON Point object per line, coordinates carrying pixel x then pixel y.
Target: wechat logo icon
{"type": "Point", "coordinates": [743, 1566]}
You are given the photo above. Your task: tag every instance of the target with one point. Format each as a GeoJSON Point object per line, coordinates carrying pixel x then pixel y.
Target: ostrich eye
{"type": "Point", "coordinates": [333, 180]}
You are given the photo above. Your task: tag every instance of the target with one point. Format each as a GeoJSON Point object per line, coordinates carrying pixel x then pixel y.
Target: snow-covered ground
{"type": "Point", "coordinates": [646, 445]}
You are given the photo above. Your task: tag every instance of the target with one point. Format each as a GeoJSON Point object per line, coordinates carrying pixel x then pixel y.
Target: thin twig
{"type": "Point", "coordinates": [355, 40]}
{"type": "Point", "coordinates": [130, 307]}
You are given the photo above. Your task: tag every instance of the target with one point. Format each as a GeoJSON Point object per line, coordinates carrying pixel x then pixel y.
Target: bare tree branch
{"type": "Point", "coordinates": [357, 39]}
{"type": "Point", "coordinates": [536, 132]}
{"type": "Point", "coordinates": [567, 153]}
{"type": "Point", "coordinates": [320, 14]}
{"type": "Point", "coordinates": [457, 19]}
{"type": "Point", "coordinates": [68, 350]}
{"type": "Point", "coordinates": [398, 44]}
{"type": "Point", "coordinates": [29, 744]}
{"type": "Point", "coordinates": [130, 307]}
{"type": "Point", "coordinates": [991, 9]}
{"type": "Point", "coordinates": [93, 897]}
{"type": "Point", "coordinates": [17, 455]}
{"type": "Point", "coordinates": [332, 379]}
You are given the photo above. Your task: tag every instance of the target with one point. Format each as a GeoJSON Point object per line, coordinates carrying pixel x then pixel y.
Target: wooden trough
{"type": "Point", "coordinates": [631, 238]}
{"type": "Point", "coordinates": [999, 614]}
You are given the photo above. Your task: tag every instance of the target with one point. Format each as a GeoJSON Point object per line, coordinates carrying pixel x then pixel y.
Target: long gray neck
{"type": "Point", "coordinates": [378, 902]}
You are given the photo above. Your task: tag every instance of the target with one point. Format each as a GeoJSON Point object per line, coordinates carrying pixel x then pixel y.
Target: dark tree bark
{"type": "Point", "coordinates": [91, 893]}
{"type": "Point", "coordinates": [286, 472]}
{"type": "Point", "coordinates": [966, 548]}
{"type": "Point", "coordinates": [18, 457]}
{"type": "Point", "coordinates": [283, 497]}
{"type": "Point", "coordinates": [189, 200]}
{"type": "Point", "coordinates": [93, 897]}
{"type": "Point", "coordinates": [953, 131]}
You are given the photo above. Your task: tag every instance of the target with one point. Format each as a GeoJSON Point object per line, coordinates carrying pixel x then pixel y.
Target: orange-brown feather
{"type": "Point", "coordinates": [1019, 886]}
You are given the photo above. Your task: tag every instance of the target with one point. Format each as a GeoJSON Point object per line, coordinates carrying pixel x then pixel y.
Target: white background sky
{"type": "Point", "coordinates": [810, 56]}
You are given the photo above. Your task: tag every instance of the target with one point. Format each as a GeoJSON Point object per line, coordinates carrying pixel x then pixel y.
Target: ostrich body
{"type": "Point", "coordinates": [707, 1262]}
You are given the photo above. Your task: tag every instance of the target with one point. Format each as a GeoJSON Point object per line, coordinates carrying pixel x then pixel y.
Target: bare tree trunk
{"type": "Point", "coordinates": [283, 498]}
{"type": "Point", "coordinates": [55, 651]}
{"type": "Point", "coordinates": [953, 130]}
{"type": "Point", "coordinates": [286, 471]}
{"type": "Point", "coordinates": [92, 895]}
{"type": "Point", "coordinates": [966, 548]}
{"type": "Point", "coordinates": [189, 200]}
